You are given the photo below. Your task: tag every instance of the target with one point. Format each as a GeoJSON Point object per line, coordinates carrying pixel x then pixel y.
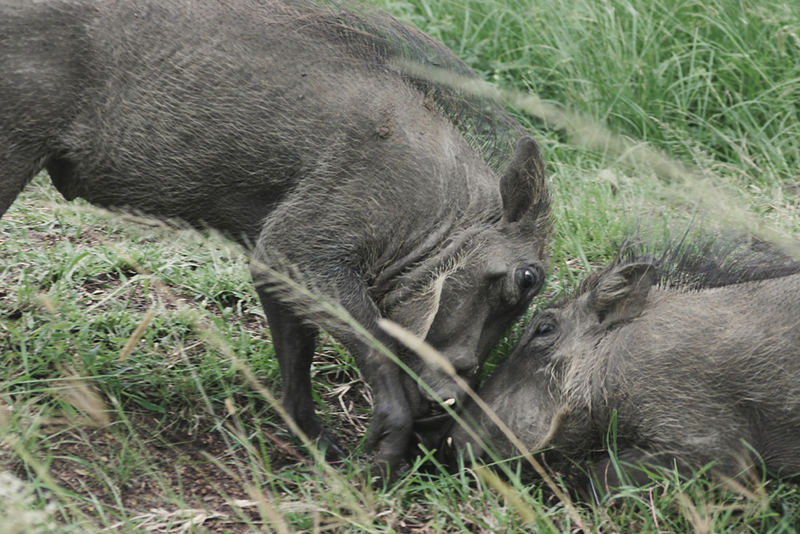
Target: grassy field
{"type": "Point", "coordinates": [138, 371]}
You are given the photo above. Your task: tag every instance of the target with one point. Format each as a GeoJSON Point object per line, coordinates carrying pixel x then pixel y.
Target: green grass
{"type": "Point", "coordinates": [177, 435]}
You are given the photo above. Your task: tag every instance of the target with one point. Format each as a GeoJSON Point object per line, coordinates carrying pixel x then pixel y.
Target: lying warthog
{"type": "Point", "coordinates": [683, 361]}
{"type": "Point", "coordinates": [290, 126]}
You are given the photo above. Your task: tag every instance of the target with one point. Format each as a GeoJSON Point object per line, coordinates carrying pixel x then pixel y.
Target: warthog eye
{"type": "Point", "coordinates": [544, 328]}
{"type": "Point", "coordinates": [527, 278]}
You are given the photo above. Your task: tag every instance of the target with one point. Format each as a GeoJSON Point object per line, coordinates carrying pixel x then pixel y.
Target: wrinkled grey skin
{"type": "Point", "coordinates": [285, 126]}
{"type": "Point", "coordinates": [692, 376]}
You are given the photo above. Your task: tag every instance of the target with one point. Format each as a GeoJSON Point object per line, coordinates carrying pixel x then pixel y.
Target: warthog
{"type": "Point", "coordinates": [292, 127]}
{"type": "Point", "coordinates": [684, 361]}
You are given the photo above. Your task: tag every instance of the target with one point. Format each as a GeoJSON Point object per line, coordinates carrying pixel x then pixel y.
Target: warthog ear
{"type": "Point", "coordinates": [522, 186]}
{"type": "Point", "coordinates": [620, 295]}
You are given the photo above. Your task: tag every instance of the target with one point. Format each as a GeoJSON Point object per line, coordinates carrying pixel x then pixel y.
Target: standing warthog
{"type": "Point", "coordinates": [681, 362]}
{"type": "Point", "coordinates": [291, 127]}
